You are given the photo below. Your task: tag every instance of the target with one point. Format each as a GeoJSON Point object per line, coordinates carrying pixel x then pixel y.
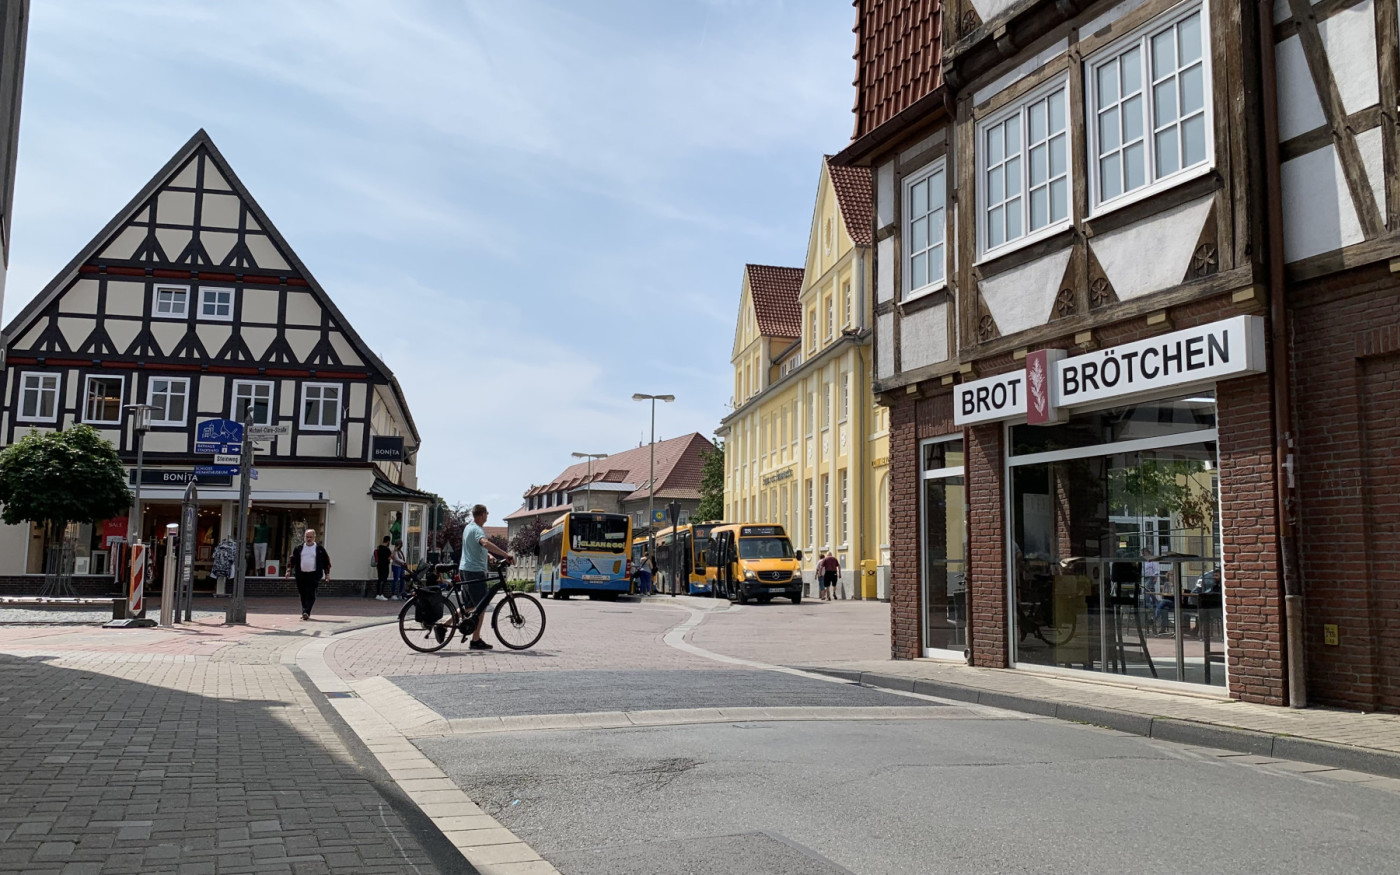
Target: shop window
{"type": "Point", "coordinates": [102, 403]}
{"type": "Point", "coordinates": [1115, 545]}
{"type": "Point", "coordinates": [320, 406]}
{"type": "Point", "coordinates": [38, 398]}
{"type": "Point", "coordinates": [170, 398]}
{"type": "Point", "coordinates": [943, 530]}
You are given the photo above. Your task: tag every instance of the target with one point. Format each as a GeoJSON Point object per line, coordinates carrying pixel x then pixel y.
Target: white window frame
{"type": "Point", "coordinates": [271, 398]}
{"type": "Point", "coordinates": [204, 302]}
{"type": "Point", "coordinates": [184, 311]}
{"type": "Point", "coordinates": [87, 395]}
{"type": "Point", "coordinates": [830, 302]}
{"type": "Point", "coordinates": [938, 168]}
{"type": "Point", "coordinates": [25, 389]}
{"type": "Point", "coordinates": [845, 507]}
{"type": "Point", "coordinates": [1142, 40]}
{"type": "Point", "coordinates": [1020, 108]}
{"type": "Point", "coordinates": [848, 306]}
{"type": "Point", "coordinates": [305, 396]}
{"type": "Point", "coordinates": [845, 397]}
{"type": "Point", "coordinates": [184, 382]}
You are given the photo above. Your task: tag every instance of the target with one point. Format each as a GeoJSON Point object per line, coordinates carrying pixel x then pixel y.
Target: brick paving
{"type": "Point", "coordinates": [193, 750]}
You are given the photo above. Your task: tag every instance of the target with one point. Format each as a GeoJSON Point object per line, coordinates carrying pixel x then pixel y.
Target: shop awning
{"type": "Point", "coordinates": [386, 491]}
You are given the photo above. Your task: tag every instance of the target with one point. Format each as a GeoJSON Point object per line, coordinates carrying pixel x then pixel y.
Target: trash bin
{"type": "Point", "coordinates": [867, 579]}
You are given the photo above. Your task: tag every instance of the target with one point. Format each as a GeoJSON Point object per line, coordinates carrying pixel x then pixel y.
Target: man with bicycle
{"type": "Point", "coordinates": [476, 550]}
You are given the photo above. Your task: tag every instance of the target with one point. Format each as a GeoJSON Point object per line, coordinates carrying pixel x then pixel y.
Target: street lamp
{"type": "Point", "coordinates": [588, 500]}
{"type": "Point", "coordinates": [140, 424]}
{"type": "Point", "coordinates": [651, 468]}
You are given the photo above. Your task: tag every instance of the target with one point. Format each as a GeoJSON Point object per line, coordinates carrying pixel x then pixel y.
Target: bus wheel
{"type": "Point", "coordinates": [561, 595]}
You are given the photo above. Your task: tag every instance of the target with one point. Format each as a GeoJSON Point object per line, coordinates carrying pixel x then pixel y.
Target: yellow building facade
{"type": "Point", "coordinates": [806, 447]}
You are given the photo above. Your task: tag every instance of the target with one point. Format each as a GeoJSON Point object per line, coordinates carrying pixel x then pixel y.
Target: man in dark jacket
{"type": "Point", "coordinates": [311, 564]}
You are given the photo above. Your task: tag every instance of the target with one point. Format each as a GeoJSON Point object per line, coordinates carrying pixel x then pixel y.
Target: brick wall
{"type": "Point", "coordinates": [905, 626]}
{"type": "Point", "coordinates": [1345, 343]}
{"type": "Point", "coordinates": [1249, 526]}
{"type": "Point", "coordinates": [986, 577]}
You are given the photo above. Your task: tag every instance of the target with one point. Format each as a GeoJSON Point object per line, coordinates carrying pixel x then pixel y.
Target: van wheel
{"type": "Point", "coordinates": [764, 599]}
{"type": "Point", "coordinates": [743, 597]}
{"type": "Point", "coordinates": [797, 598]}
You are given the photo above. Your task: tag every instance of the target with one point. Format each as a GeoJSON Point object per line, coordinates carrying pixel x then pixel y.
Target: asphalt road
{"type": "Point", "coordinates": [927, 796]}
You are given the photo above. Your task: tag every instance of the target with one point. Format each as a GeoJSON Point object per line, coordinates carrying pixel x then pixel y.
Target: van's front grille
{"type": "Point", "coordinates": [775, 576]}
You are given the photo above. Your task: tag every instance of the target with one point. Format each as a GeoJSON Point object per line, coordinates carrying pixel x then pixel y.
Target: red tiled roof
{"type": "Point", "coordinates": [899, 53]}
{"type": "Point", "coordinates": [853, 194]}
{"type": "Point", "coordinates": [775, 292]}
{"type": "Point", "coordinates": [493, 531]}
{"type": "Point", "coordinates": [679, 465]}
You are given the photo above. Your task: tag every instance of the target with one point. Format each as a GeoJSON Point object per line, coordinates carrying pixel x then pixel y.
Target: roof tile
{"type": "Point", "coordinates": [775, 293]}
{"type": "Point", "coordinates": [853, 194]}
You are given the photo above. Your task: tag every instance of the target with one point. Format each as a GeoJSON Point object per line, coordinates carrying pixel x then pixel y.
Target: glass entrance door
{"type": "Point", "coordinates": [944, 534]}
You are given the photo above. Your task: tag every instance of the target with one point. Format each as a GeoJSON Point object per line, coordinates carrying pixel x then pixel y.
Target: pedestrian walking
{"type": "Point", "coordinates": [382, 556]}
{"type": "Point", "coordinates": [311, 564]}
{"type": "Point", "coordinates": [645, 567]}
{"type": "Point", "coordinates": [830, 569]}
{"type": "Point", "coordinates": [399, 567]}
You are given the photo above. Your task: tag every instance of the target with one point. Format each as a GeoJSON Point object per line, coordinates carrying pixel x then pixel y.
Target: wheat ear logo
{"type": "Point", "coordinates": [1035, 375]}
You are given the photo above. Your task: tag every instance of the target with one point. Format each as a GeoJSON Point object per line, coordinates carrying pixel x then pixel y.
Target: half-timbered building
{"type": "Point", "coordinates": [1073, 336]}
{"type": "Point", "coordinates": [192, 302]}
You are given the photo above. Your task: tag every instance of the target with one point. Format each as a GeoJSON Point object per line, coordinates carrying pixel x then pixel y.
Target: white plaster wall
{"type": "Point", "coordinates": [259, 305]}
{"type": "Point", "coordinates": [302, 309]}
{"type": "Point", "coordinates": [1094, 25]}
{"type": "Point", "coordinates": [257, 339]}
{"type": "Point", "coordinates": [924, 145]}
{"type": "Point", "coordinates": [1372, 149]}
{"type": "Point", "coordinates": [167, 334]}
{"type": "Point", "coordinates": [1169, 236]}
{"type": "Point", "coordinates": [211, 395]}
{"type": "Point", "coordinates": [302, 340]}
{"type": "Point", "coordinates": [122, 332]}
{"type": "Point", "coordinates": [175, 208]}
{"type": "Point", "coordinates": [923, 338]}
{"type": "Point", "coordinates": [219, 211]}
{"type": "Point", "coordinates": [1020, 71]}
{"type": "Point", "coordinates": [884, 269]}
{"type": "Point", "coordinates": [173, 240]}
{"type": "Point", "coordinates": [884, 194]}
{"type": "Point", "coordinates": [264, 253]}
{"type": "Point", "coordinates": [217, 244]}
{"type": "Point", "coordinates": [989, 9]}
{"type": "Point", "coordinates": [884, 344]}
{"type": "Point", "coordinates": [1350, 40]}
{"type": "Point", "coordinates": [75, 329]}
{"type": "Point", "coordinates": [14, 546]}
{"type": "Point", "coordinates": [214, 335]}
{"type": "Point", "coordinates": [342, 348]}
{"type": "Point", "coordinates": [1298, 108]}
{"type": "Point", "coordinates": [1318, 215]}
{"type": "Point", "coordinates": [81, 298]}
{"type": "Point", "coordinates": [125, 298]}
{"type": "Point", "coordinates": [1021, 298]}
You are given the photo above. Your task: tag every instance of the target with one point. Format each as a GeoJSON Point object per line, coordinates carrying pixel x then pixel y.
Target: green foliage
{"type": "Point", "coordinates": [711, 508]}
{"type": "Point", "coordinates": [1164, 488]}
{"type": "Point", "coordinates": [71, 476]}
{"type": "Point", "coordinates": [527, 541]}
{"type": "Point", "coordinates": [520, 585]}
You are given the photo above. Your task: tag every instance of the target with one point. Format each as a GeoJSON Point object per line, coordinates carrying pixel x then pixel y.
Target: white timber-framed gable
{"type": "Point", "coordinates": [191, 287]}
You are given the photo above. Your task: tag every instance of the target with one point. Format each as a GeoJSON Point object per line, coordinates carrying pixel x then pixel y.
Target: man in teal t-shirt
{"type": "Point", "coordinates": [475, 547]}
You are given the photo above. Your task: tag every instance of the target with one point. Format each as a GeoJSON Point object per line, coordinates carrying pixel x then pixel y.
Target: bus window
{"type": "Point", "coordinates": [606, 535]}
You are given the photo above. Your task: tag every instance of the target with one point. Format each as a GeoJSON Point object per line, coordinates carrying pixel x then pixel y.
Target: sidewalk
{"type": "Point", "coordinates": [1343, 739]}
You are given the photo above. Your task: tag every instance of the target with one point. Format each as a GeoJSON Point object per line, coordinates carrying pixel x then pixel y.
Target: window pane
{"type": "Point", "coordinates": [1132, 119]}
{"type": "Point", "coordinates": [1057, 156]}
{"type": "Point", "coordinates": [1013, 135]}
{"type": "Point", "coordinates": [995, 151]}
{"type": "Point", "coordinates": [1059, 200]}
{"type": "Point", "coordinates": [1110, 177]}
{"type": "Point", "coordinates": [1013, 219]}
{"type": "Point", "coordinates": [1037, 122]}
{"type": "Point", "coordinates": [1108, 86]}
{"type": "Point", "coordinates": [1192, 89]}
{"type": "Point", "coordinates": [1040, 208]}
{"type": "Point", "coordinates": [918, 270]}
{"type": "Point", "coordinates": [1193, 140]}
{"type": "Point", "coordinates": [1134, 166]}
{"type": "Point", "coordinates": [1164, 103]}
{"type": "Point", "coordinates": [1040, 164]}
{"type": "Point", "coordinates": [1056, 103]}
{"type": "Point", "coordinates": [996, 192]}
{"type": "Point", "coordinates": [1189, 34]}
{"type": "Point", "coordinates": [919, 198]}
{"type": "Point", "coordinates": [935, 191]}
{"type": "Point", "coordinates": [1108, 131]}
{"type": "Point", "coordinates": [1163, 54]}
{"type": "Point", "coordinates": [996, 234]}
{"type": "Point", "coordinates": [1131, 65]}
{"type": "Point", "coordinates": [1013, 177]}
{"type": "Point", "coordinates": [935, 263]}
{"type": "Point", "coordinates": [918, 236]}
{"type": "Point", "coordinates": [1167, 157]}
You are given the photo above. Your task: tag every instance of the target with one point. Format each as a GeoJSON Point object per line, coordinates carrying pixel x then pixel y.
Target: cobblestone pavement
{"type": "Point", "coordinates": [193, 750]}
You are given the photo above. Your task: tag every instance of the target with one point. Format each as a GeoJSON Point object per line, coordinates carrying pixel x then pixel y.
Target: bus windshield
{"type": "Point", "coordinates": [765, 548]}
{"type": "Point", "coordinates": [605, 535]}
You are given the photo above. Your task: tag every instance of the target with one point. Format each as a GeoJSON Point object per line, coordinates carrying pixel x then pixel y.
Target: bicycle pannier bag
{"type": "Point", "coordinates": [429, 607]}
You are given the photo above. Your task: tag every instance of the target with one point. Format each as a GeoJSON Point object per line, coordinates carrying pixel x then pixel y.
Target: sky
{"type": "Point", "coordinates": [529, 210]}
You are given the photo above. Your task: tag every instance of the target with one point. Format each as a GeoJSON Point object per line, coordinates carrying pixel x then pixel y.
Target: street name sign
{"type": "Point", "coordinates": [216, 470]}
{"type": "Point", "coordinates": [257, 432]}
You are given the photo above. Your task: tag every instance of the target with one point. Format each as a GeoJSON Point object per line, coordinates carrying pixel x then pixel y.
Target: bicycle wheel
{"type": "Point", "coordinates": [424, 639]}
{"type": "Point", "coordinates": [518, 621]}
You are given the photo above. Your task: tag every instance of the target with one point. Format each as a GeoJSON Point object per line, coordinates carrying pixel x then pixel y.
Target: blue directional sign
{"type": "Point", "coordinates": [218, 449]}
{"type": "Point", "coordinates": [219, 431]}
{"type": "Point", "coordinates": [224, 470]}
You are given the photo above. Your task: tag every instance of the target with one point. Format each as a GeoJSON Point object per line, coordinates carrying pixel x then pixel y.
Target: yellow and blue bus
{"type": "Point", "coordinates": [690, 542]}
{"type": "Point", "coordinates": [586, 554]}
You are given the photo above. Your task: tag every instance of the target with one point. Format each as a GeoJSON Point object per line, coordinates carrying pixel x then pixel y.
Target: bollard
{"type": "Point", "coordinates": [167, 583]}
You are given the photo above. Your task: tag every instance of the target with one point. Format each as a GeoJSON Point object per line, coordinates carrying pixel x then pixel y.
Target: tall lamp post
{"type": "Point", "coordinates": [588, 500]}
{"type": "Point", "coordinates": [651, 467]}
{"type": "Point", "coordinates": [140, 424]}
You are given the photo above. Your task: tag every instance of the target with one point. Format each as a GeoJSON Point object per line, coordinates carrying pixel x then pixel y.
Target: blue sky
{"type": "Point", "coordinates": [530, 210]}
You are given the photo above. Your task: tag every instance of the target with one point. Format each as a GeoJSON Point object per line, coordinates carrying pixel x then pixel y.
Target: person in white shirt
{"type": "Point", "coordinates": [311, 564]}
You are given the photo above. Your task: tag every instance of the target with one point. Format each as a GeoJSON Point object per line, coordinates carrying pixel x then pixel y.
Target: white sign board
{"type": "Point", "coordinates": [990, 399]}
{"type": "Point", "coordinates": [266, 431]}
{"type": "Point", "coordinates": [221, 459]}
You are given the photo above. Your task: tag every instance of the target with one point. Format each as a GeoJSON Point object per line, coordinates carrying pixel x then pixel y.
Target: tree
{"type": "Point", "coordinates": [527, 541]}
{"type": "Point", "coordinates": [62, 477]}
{"type": "Point", "coordinates": [499, 541]}
{"type": "Point", "coordinates": [711, 507]}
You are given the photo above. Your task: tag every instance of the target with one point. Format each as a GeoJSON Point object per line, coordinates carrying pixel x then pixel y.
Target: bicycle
{"type": "Point", "coordinates": [430, 620]}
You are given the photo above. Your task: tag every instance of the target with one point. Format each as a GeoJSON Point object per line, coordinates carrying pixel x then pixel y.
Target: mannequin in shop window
{"type": "Point", "coordinates": [396, 527]}
{"type": "Point", "coordinates": [262, 536]}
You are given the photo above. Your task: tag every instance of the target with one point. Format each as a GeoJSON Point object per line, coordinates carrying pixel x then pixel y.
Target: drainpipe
{"type": "Point", "coordinates": [1284, 495]}
{"type": "Point", "coordinates": [865, 476]}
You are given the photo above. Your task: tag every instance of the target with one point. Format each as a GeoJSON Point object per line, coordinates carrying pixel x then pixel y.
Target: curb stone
{"type": "Point", "coordinates": [1325, 753]}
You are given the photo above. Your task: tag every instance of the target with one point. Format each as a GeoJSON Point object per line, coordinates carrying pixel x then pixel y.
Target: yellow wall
{"type": "Point", "coordinates": [787, 443]}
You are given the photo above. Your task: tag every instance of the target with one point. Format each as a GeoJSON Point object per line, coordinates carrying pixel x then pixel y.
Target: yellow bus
{"type": "Point", "coordinates": [689, 544]}
{"type": "Point", "coordinates": [747, 560]}
{"type": "Point", "coordinates": [586, 554]}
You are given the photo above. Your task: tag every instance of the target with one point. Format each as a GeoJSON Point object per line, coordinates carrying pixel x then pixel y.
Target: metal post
{"type": "Point", "coordinates": [167, 582]}
{"type": "Point", "coordinates": [237, 611]}
{"type": "Point", "coordinates": [189, 530]}
{"type": "Point", "coordinates": [674, 512]}
{"type": "Point", "coordinates": [651, 468]}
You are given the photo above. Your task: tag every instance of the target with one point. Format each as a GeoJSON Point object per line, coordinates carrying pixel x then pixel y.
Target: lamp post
{"type": "Point", "coordinates": [140, 424]}
{"type": "Point", "coordinates": [588, 499]}
{"type": "Point", "coordinates": [651, 466]}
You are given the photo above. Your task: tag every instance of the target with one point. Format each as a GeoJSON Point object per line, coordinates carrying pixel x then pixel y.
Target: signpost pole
{"type": "Point", "coordinates": [189, 527]}
{"type": "Point", "coordinates": [673, 510]}
{"type": "Point", "coordinates": [237, 609]}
